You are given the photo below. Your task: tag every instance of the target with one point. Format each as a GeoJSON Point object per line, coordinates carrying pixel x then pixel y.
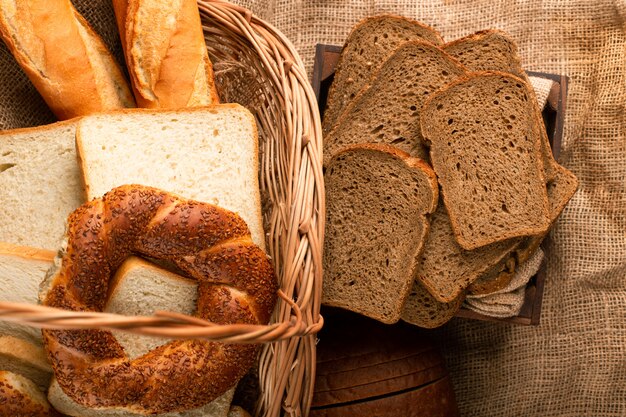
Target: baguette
{"type": "Point", "coordinates": [165, 52]}
{"type": "Point", "coordinates": [63, 57]}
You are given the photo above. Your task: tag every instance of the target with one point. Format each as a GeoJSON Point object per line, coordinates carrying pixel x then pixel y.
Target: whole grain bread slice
{"type": "Point", "coordinates": [495, 278]}
{"type": "Point", "coordinates": [387, 109]}
{"type": "Point", "coordinates": [423, 310]}
{"type": "Point", "coordinates": [496, 51]}
{"type": "Point", "coordinates": [446, 269]}
{"type": "Point", "coordinates": [369, 44]}
{"type": "Point", "coordinates": [378, 200]}
{"type": "Point", "coordinates": [487, 156]}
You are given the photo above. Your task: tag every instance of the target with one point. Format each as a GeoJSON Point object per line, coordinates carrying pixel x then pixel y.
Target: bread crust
{"type": "Point", "coordinates": [169, 67]}
{"type": "Point", "coordinates": [27, 252]}
{"type": "Point", "coordinates": [67, 79]}
{"type": "Point", "coordinates": [236, 285]}
{"type": "Point", "coordinates": [537, 153]}
{"type": "Point", "coordinates": [369, 88]}
{"type": "Point", "coordinates": [332, 110]}
{"type": "Point", "coordinates": [20, 397]}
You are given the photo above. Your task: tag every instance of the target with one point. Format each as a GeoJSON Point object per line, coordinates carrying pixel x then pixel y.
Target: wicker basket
{"type": "Point", "coordinates": [258, 67]}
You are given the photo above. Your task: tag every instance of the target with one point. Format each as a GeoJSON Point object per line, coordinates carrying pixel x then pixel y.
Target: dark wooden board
{"type": "Point", "coordinates": [326, 57]}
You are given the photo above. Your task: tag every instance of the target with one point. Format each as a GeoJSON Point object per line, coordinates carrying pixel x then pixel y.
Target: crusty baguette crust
{"type": "Point", "coordinates": [168, 62]}
{"type": "Point", "coordinates": [46, 39]}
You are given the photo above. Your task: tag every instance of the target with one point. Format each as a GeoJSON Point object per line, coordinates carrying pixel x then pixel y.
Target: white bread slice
{"type": "Point", "coordinates": [25, 358]}
{"type": "Point", "coordinates": [40, 183]}
{"type": "Point", "coordinates": [139, 288]}
{"type": "Point", "coordinates": [208, 154]}
{"type": "Point", "coordinates": [19, 396]}
{"type": "Point", "coordinates": [22, 269]}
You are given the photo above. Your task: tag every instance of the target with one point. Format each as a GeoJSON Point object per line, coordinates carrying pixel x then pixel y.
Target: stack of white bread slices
{"type": "Point", "coordinates": [207, 153]}
{"type": "Point", "coordinates": [461, 116]}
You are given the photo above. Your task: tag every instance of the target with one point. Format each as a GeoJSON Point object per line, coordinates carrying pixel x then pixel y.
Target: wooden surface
{"type": "Point", "coordinates": [326, 57]}
{"type": "Point", "coordinates": [366, 368]}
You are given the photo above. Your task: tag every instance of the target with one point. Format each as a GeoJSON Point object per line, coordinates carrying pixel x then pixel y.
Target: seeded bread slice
{"type": "Point", "coordinates": [19, 397]}
{"type": "Point", "coordinates": [423, 310]}
{"type": "Point", "coordinates": [446, 269]}
{"type": "Point", "coordinates": [387, 109]}
{"type": "Point", "coordinates": [487, 156]}
{"type": "Point", "coordinates": [369, 44]}
{"type": "Point", "coordinates": [378, 200]}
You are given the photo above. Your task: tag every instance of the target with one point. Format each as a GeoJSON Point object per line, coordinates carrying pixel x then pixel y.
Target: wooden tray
{"type": "Point", "coordinates": [326, 57]}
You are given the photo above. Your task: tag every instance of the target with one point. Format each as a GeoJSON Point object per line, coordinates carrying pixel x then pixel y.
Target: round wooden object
{"type": "Point", "coordinates": [366, 368]}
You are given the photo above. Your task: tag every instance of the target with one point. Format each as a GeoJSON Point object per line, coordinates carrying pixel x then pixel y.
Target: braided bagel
{"type": "Point", "coordinates": [236, 284]}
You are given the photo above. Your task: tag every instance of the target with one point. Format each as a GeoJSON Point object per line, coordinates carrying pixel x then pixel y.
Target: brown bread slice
{"type": "Point", "coordinates": [378, 199]}
{"type": "Point", "coordinates": [387, 110]}
{"type": "Point", "coordinates": [494, 50]}
{"type": "Point", "coordinates": [560, 190]}
{"type": "Point", "coordinates": [495, 278]}
{"type": "Point", "coordinates": [424, 310]}
{"type": "Point", "coordinates": [487, 156]}
{"type": "Point", "coordinates": [446, 269]}
{"type": "Point", "coordinates": [369, 44]}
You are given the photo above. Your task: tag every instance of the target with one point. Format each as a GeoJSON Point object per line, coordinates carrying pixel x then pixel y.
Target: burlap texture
{"type": "Point", "coordinates": [574, 363]}
{"type": "Point", "coordinates": [508, 301]}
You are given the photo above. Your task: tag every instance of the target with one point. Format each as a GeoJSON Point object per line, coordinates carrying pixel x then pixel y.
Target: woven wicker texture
{"type": "Point", "coordinates": [259, 68]}
{"type": "Point", "coordinates": [574, 363]}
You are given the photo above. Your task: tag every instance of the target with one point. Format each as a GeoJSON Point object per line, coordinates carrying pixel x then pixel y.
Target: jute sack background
{"type": "Point", "coordinates": [574, 363]}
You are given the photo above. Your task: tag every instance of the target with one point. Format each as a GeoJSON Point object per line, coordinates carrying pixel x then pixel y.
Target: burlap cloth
{"type": "Point", "coordinates": [574, 363]}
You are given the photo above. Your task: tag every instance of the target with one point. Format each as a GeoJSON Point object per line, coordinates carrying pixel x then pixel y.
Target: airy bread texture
{"type": "Point", "coordinates": [20, 397]}
{"type": "Point", "coordinates": [207, 154]}
{"type": "Point", "coordinates": [22, 269]}
{"type": "Point", "coordinates": [423, 310]}
{"type": "Point", "coordinates": [387, 109]}
{"type": "Point", "coordinates": [378, 200]}
{"type": "Point", "coordinates": [166, 53]}
{"type": "Point", "coordinates": [369, 44]}
{"type": "Point", "coordinates": [489, 160]}
{"type": "Point", "coordinates": [25, 358]}
{"type": "Point", "coordinates": [40, 183]}
{"type": "Point", "coordinates": [140, 289]}
{"type": "Point", "coordinates": [446, 269]}
{"type": "Point", "coordinates": [493, 50]}
{"type": "Point", "coordinates": [63, 57]}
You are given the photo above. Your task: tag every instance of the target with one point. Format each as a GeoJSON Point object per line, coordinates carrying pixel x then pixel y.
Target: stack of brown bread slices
{"type": "Point", "coordinates": [405, 108]}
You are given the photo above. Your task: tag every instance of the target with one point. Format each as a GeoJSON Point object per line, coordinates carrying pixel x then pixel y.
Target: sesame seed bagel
{"type": "Point", "coordinates": [236, 284]}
